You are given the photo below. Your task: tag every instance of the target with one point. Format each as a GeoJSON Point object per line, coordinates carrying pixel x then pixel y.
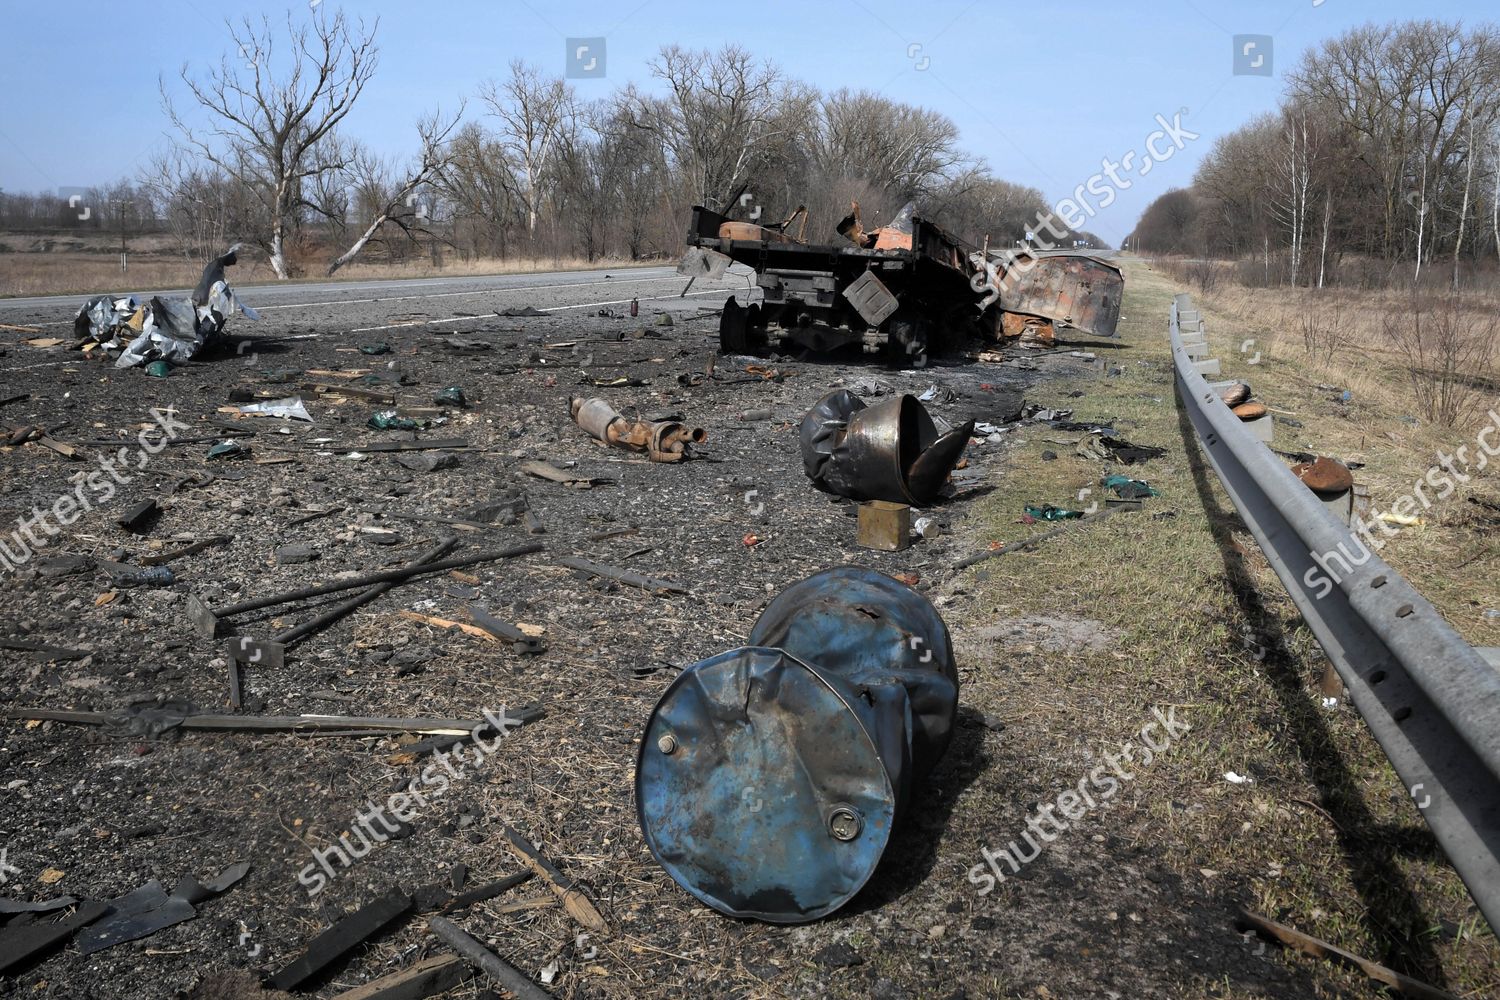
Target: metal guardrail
{"type": "Point", "coordinates": [1431, 700]}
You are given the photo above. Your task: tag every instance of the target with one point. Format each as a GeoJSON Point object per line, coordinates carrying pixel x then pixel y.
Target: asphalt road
{"type": "Point", "coordinates": [362, 306]}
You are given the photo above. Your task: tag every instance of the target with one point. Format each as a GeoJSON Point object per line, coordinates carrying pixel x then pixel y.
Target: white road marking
{"type": "Point", "coordinates": [433, 295]}
{"type": "Point", "coordinates": [433, 322]}
{"type": "Point", "coordinates": [472, 291]}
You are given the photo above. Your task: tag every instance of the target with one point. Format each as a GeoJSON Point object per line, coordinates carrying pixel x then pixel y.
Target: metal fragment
{"type": "Point", "coordinates": [890, 451]}
{"type": "Point", "coordinates": [662, 441]}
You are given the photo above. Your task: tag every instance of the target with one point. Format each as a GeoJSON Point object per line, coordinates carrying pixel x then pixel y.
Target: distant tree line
{"type": "Point", "coordinates": [536, 172]}
{"type": "Point", "coordinates": [1382, 160]}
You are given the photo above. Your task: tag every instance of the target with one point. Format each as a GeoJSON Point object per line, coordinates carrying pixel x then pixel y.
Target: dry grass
{"type": "Point", "coordinates": [1326, 838]}
{"type": "Point", "coordinates": [1453, 552]}
{"type": "Point", "coordinates": [84, 273]}
{"type": "Point", "coordinates": [1368, 341]}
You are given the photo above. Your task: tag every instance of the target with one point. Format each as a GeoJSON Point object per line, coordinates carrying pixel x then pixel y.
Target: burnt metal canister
{"type": "Point", "coordinates": [890, 451]}
{"type": "Point", "coordinates": [770, 776]}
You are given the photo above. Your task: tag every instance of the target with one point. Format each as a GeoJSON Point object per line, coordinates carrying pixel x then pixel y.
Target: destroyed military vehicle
{"type": "Point", "coordinates": [898, 292]}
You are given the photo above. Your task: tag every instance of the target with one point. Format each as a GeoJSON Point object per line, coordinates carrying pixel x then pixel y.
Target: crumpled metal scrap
{"type": "Point", "coordinates": [106, 317]}
{"type": "Point", "coordinates": [169, 329]}
{"type": "Point", "coordinates": [890, 451]}
{"type": "Point", "coordinates": [150, 908]}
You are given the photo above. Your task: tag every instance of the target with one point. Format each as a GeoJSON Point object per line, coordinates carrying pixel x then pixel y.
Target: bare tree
{"type": "Point", "coordinates": [1294, 177]}
{"type": "Point", "coordinates": [1422, 205]}
{"type": "Point", "coordinates": [1394, 88]}
{"type": "Point", "coordinates": [634, 173]}
{"type": "Point", "coordinates": [1327, 227]}
{"type": "Point", "coordinates": [902, 149]}
{"type": "Point", "coordinates": [1479, 108]}
{"type": "Point", "coordinates": [1233, 180]}
{"type": "Point", "coordinates": [1495, 195]}
{"type": "Point", "coordinates": [536, 116]}
{"type": "Point", "coordinates": [1378, 135]}
{"type": "Point", "coordinates": [203, 207]}
{"type": "Point", "coordinates": [268, 120]}
{"type": "Point", "coordinates": [1167, 225]}
{"type": "Point", "coordinates": [728, 116]}
{"type": "Point", "coordinates": [396, 202]}
{"type": "Point", "coordinates": [1471, 155]}
{"type": "Point", "coordinates": [480, 183]}
{"type": "Point", "coordinates": [981, 208]}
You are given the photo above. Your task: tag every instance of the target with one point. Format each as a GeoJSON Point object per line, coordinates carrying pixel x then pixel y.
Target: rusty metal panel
{"type": "Point", "coordinates": [1069, 289]}
{"type": "Point", "coordinates": [751, 232]}
{"type": "Point", "coordinates": [870, 298]}
{"type": "Point", "coordinates": [889, 238]}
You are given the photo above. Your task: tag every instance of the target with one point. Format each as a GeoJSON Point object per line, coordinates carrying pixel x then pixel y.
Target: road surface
{"type": "Point", "coordinates": [363, 306]}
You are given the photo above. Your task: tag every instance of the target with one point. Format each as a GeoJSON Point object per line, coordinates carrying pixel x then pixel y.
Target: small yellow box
{"type": "Point", "coordinates": [884, 525]}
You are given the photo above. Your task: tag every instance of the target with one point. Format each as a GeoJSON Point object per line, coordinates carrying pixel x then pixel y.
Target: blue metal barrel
{"type": "Point", "coordinates": [770, 776]}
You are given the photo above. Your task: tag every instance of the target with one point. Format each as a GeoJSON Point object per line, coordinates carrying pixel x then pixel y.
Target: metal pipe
{"type": "Point", "coordinates": [335, 613]}
{"type": "Point", "coordinates": [486, 961]}
{"type": "Point", "coordinates": [390, 575]}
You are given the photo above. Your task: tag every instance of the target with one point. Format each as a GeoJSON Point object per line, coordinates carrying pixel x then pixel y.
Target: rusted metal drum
{"type": "Point", "coordinates": [770, 776]}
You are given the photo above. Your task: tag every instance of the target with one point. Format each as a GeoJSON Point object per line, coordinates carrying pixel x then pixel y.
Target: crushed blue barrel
{"type": "Point", "coordinates": [770, 776]}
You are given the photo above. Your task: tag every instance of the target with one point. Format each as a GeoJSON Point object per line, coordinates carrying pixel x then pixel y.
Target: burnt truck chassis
{"type": "Point", "coordinates": [890, 302]}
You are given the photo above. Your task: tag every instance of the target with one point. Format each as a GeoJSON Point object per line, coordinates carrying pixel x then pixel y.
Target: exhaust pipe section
{"type": "Point", "coordinates": [770, 777]}
{"type": "Point", "coordinates": [662, 441]}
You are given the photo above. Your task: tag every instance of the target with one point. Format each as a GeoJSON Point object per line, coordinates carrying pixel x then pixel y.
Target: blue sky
{"type": "Point", "coordinates": [1042, 90]}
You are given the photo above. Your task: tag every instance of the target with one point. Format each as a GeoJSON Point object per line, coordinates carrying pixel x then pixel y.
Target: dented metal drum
{"type": "Point", "coordinates": [890, 451]}
{"type": "Point", "coordinates": [770, 777]}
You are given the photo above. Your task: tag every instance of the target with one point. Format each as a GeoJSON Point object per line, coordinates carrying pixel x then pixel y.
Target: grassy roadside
{"type": "Point", "coordinates": [1452, 557]}
{"type": "Point", "coordinates": [1174, 605]}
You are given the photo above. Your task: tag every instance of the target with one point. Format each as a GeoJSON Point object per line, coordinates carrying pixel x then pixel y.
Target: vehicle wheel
{"type": "Point", "coordinates": [906, 345]}
{"type": "Point", "coordinates": [732, 324]}
{"type": "Point", "coordinates": [755, 331]}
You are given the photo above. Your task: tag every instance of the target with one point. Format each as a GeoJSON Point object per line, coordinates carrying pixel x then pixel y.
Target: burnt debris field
{"type": "Point", "coordinates": [99, 810]}
{"type": "Point", "coordinates": [201, 802]}
{"type": "Point", "coordinates": [579, 501]}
